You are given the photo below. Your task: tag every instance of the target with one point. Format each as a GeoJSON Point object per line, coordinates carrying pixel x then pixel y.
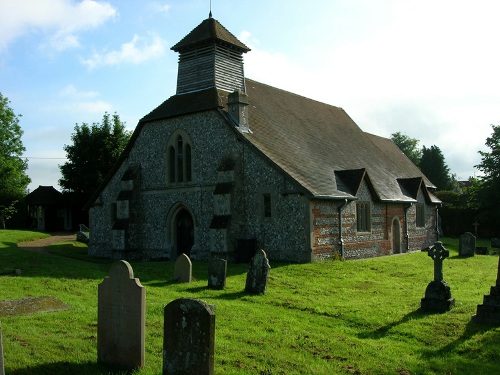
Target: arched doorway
{"type": "Point", "coordinates": [396, 236]}
{"type": "Point", "coordinates": [184, 232]}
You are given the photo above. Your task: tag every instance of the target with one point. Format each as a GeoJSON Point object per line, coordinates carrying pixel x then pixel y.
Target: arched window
{"type": "Point", "coordinates": [179, 159]}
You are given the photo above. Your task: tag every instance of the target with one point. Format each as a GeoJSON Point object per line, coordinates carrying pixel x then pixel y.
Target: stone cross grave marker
{"type": "Point", "coordinates": [189, 338]}
{"type": "Point", "coordinates": [121, 318]}
{"type": "Point", "coordinates": [438, 254]}
{"type": "Point", "coordinates": [2, 368]}
{"type": "Point", "coordinates": [467, 245]}
{"type": "Point", "coordinates": [438, 294]}
{"type": "Point", "coordinates": [217, 271]}
{"type": "Point", "coordinates": [258, 273]}
{"type": "Point", "coordinates": [183, 269]}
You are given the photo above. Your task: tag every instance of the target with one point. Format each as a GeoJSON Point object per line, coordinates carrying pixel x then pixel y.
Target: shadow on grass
{"type": "Point", "coordinates": [472, 329]}
{"type": "Point", "coordinates": [382, 331]}
{"type": "Point", "coordinates": [65, 368]}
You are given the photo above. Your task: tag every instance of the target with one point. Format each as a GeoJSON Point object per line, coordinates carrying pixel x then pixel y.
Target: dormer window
{"type": "Point", "coordinates": [179, 159]}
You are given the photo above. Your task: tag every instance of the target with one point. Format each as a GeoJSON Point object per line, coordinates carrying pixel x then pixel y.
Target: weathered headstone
{"type": "Point", "coordinates": [438, 294]}
{"type": "Point", "coordinates": [217, 271]}
{"type": "Point", "coordinates": [489, 311]}
{"type": "Point", "coordinates": [121, 318]}
{"type": "Point", "coordinates": [189, 338]}
{"type": "Point", "coordinates": [2, 368]}
{"type": "Point", "coordinates": [183, 269]}
{"type": "Point", "coordinates": [466, 245]}
{"type": "Point", "coordinates": [495, 242]}
{"type": "Point", "coordinates": [258, 273]}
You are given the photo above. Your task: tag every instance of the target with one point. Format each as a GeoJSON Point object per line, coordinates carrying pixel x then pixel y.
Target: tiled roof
{"type": "Point", "coordinates": [311, 141]}
{"type": "Point", "coordinates": [210, 30]}
{"type": "Point", "coordinates": [188, 103]}
{"type": "Point", "coordinates": [316, 144]}
{"type": "Point", "coordinates": [45, 195]}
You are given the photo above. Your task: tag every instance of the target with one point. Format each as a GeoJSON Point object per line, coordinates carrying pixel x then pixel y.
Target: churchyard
{"type": "Point", "coordinates": [330, 317]}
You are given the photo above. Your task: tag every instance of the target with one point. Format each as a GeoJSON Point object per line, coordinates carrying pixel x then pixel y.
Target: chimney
{"type": "Point", "coordinates": [237, 107]}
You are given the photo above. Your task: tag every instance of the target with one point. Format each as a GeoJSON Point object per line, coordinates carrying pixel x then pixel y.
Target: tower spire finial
{"type": "Point", "coordinates": [210, 13]}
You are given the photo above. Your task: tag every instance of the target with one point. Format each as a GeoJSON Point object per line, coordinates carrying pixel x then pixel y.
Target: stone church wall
{"type": "Point", "coordinates": [148, 233]}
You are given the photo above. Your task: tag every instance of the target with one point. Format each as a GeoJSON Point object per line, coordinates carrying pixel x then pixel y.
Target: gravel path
{"type": "Point", "coordinates": [40, 245]}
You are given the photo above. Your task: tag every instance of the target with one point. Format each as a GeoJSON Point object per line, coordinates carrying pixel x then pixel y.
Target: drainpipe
{"type": "Point", "coordinates": [437, 223]}
{"type": "Point", "coordinates": [407, 234]}
{"type": "Point", "coordinates": [341, 240]}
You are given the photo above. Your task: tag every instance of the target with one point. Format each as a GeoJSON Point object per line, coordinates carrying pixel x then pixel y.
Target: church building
{"type": "Point", "coordinates": [229, 165]}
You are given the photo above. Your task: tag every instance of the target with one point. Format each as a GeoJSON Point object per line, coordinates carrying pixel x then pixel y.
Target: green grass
{"type": "Point", "coordinates": [331, 317]}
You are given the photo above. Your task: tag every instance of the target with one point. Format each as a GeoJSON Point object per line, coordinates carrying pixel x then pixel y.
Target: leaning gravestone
{"type": "Point", "coordinates": [121, 318]}
{"type": "Point", "coordinates": [258, 273]}
{"type": "Point", "coordinates": [467, 245]}
{"type": "Point", "coordinates": [183, 269]}
{"type": "Point", "coordinates": [217, 271]}
{"type": "Point", "coordinates": [189, 338]}
{"type": "Point", "coordinates": [489, 311]}
{"type": "Point", "coordinates": [438, 294]}
{"type": "Point", "coordinates": [2, 368]}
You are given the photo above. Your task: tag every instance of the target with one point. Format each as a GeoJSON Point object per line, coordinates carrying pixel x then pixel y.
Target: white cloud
{"type": "Point", "coordinates": [160, 7]}
{"type": "Point", "coordinates": [136, 51]}
{"type": "Point", "coordinates": [95, 107]}
{"type": "Point", "coordinates": [71, 91]}
{"type": "Point", "coordinates": [61, 20]}
{"type": "Point", "coordinates": [429, 72]}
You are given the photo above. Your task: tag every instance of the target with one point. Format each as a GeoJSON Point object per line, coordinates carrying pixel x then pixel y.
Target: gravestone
{"type": "Point", "coordinates": [121, 318]}
{"type": "Point", "coordinates": [489, 311]}
{"type": "Point", "coordinates": [217, 271]}
{"type": "Point", "coordinates": [466, 245]}
{"type": "Point", "coordinates": [438, 294]}
{"type": "Point", "coordinates": [258, 273]}
{"type": "Point", "coordinates": [495, 242]}
{"type": "Point", "coordinates": [183, 269]}
{"type": "Point", "coordinates": [189, 338]}
{"type": "Point", "coordinates": [2, 368]}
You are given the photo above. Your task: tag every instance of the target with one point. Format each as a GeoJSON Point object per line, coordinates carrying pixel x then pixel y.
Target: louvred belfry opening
{"type": "Point", "coordinates": [210, 56]}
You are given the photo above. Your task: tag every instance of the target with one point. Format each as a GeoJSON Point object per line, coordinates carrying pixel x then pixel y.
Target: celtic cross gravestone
{"type": "Point", "coordinates": [438, 294]}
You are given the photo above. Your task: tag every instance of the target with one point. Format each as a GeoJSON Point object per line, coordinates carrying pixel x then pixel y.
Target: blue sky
{"type": "Point", "coordinates": [428, 69]}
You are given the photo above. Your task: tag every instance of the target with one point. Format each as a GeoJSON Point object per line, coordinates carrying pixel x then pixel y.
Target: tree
{"type": "Point", "coordinates": [13, 178]}
{"type": "Point", "coordinates": [487, 196]}
{"type": "Point", "coordinates": [433, 166]}
{"type": "Point", "coordinates": [91, 157]}
{"type": "Point", "coordinates": [409, 146]}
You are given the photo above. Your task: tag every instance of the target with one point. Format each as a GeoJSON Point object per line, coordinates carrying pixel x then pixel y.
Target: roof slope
{"type": "Point", "coordinates": [45, 195]}
{"type": "Point", "coordinates": [316, 144]}
{"type": "Point", "coordinates": [311, 140]}
{"type": "Point", "coordinates": [210, 30]}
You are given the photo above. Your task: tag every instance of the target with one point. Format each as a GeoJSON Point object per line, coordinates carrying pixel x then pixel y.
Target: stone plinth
{"type": "Point", "coordinates": [437, 297]}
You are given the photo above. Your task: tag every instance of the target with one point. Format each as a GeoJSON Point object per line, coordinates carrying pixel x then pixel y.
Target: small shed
{"type": "Point", "coordinates": [48, 210]}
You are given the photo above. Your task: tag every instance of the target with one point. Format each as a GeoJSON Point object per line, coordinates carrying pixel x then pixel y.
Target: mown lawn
{"type": "Point", "coordinates": [331, 317]}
